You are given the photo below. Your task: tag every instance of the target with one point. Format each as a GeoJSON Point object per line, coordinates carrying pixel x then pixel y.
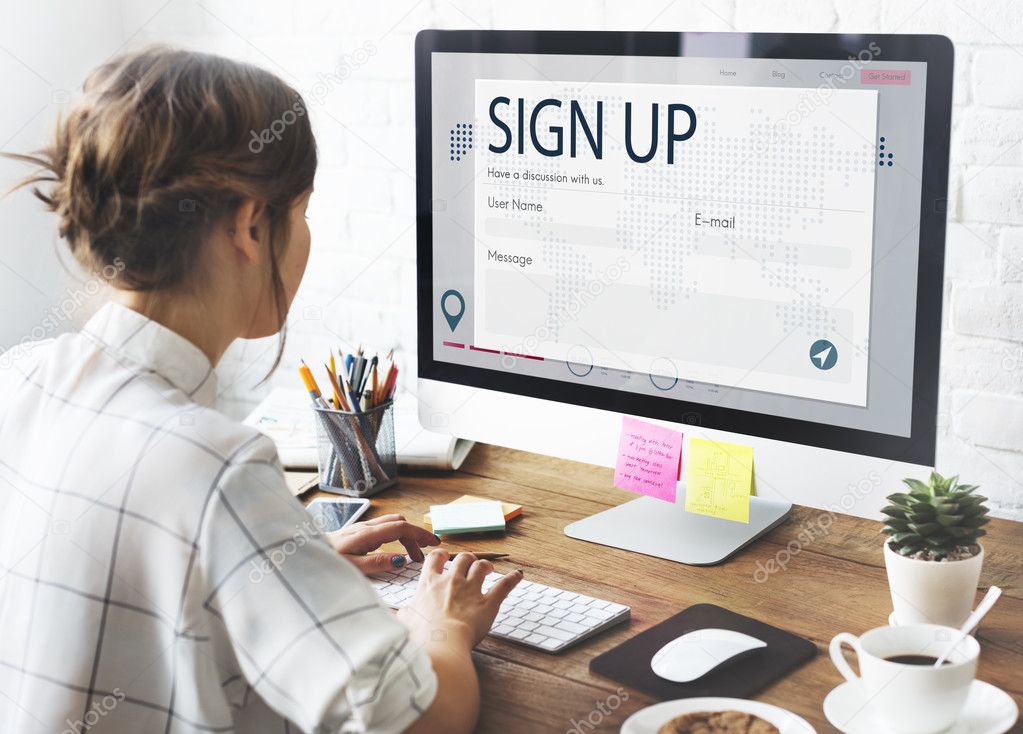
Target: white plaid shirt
{"type": "Point", "coordinates": [155, 573]}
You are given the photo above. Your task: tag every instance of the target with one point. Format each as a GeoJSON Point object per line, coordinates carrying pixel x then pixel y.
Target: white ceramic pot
{"type": "Point", "coordinates": [932, 592]}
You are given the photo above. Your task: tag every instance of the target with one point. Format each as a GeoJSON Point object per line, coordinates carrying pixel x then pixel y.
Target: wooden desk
{"type": "Point", "coordinates": [834, 581]}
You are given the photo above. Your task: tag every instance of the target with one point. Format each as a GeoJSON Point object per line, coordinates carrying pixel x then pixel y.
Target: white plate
{"type": "Point", "coordinates": [988, 710]}
{"type": "Point", "coordinates": [650, 719]}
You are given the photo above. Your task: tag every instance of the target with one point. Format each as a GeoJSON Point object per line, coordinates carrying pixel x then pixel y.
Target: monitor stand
{"type": "Point", "coordinates": [655, 528]}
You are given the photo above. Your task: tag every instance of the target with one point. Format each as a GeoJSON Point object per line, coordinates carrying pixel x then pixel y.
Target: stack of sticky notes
{"type": "Point", "coordinates": [509, 510]}
{"type": "Point", "coordinates": [466, 517]}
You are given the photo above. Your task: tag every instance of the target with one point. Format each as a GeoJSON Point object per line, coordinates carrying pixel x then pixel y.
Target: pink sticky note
{"type": "Point", "coordinates": [649, 459]}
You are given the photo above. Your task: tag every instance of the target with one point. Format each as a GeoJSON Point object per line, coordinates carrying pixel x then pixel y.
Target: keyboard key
{"type": "Point", "coordinates": [571, 627]}
{"type": "Point", "coordinates": [501, 629]}
{"type": "Point", "coordinates": [518, 634]}
{"type": "Point", "coordinates": [555, 633]}
{"type": "Point", "coordinates": [551, 644]}
{"type": "Point", "coordinates": [535, 639]}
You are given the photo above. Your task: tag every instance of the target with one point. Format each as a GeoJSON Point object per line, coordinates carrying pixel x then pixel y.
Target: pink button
{"type": "Point", "coordinates": [885, 76]}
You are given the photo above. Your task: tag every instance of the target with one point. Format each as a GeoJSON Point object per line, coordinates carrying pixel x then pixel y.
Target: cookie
{"type": "Point", "coordinates": [717, 722]}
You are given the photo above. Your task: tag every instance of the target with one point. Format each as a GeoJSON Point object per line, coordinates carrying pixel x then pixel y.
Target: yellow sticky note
{"type": "Point", "coordinates": [719, 478]}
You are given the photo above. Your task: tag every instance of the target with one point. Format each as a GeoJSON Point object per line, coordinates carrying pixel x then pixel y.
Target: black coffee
{"type": "Point", "coordinates": [914, 660]}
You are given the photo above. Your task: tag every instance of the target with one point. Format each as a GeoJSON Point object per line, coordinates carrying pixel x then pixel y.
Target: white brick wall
{"type": "Point", "coordinates": [361, 278]}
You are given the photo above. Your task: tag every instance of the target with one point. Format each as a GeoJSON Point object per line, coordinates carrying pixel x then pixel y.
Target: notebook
{"type": "Point", "coordinates": [629, 663]}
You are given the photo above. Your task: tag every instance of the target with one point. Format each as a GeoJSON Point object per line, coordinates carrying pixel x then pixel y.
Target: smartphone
{"type": "Point", "coordinates": [334, 513]}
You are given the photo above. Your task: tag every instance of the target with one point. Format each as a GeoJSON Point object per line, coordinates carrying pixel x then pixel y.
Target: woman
{"type": "Point", "coordinates": [133, 513]}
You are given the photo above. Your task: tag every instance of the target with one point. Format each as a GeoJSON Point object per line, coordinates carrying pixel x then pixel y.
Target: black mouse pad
{"type": "Point", "coordinates": [742, 677]}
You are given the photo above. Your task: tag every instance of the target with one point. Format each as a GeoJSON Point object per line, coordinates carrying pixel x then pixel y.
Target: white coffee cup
{"type": "Point", "coordinates": [910, 699]}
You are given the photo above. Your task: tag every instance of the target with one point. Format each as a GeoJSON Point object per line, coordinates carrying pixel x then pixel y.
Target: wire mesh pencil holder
{"type": "Point", "coordinates": [356, 451]}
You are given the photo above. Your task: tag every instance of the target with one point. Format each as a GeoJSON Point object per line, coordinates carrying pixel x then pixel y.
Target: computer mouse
{"type": "Point", "coordinates": [696, 653]}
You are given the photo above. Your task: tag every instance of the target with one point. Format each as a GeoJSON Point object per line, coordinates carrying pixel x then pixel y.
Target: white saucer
{"type": "Point", "coordinates": [988, 710]}
{"type": "Point", "coordinates": [650, 719]}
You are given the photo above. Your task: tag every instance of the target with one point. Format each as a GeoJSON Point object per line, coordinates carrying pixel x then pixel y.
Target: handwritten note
{"type": "Point", "coordinates": [648, 459]}
{"type": "Point", "coordinates": [719, 478]}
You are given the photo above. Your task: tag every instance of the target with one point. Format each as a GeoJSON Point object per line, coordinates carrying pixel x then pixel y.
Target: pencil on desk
{"type": "Point", "coordinates": [487, 556]}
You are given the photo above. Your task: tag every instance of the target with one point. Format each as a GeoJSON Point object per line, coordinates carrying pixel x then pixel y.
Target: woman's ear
{"type": "Point", "coordinates": [247, 229]}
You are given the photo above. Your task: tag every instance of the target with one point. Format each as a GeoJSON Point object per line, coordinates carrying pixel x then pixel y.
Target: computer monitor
{"type": "Point", "coordinates": [739, 235]}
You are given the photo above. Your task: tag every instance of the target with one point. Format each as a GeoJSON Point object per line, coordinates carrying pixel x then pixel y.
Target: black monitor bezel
{"type": "Point", "coordinates": [936, 51]}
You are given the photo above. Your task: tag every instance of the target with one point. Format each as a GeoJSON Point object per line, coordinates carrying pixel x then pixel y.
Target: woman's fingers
{"type": "Point", "coordinates": [434, 563]}
{"type": "Point", "coordinates": [500, 590]}
{"type": "Point", "coordinates": [372, 563]}
{"type": "Point", "coordinates": [371, 537]}
{"type": "Point", "coordinates": [478, 571]}
{"type": "Point", "coordinates": [460, 566]}
{"type": "Point", "coordinates": [383, 518]}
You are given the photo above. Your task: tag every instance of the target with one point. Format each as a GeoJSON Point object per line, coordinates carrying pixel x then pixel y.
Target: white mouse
{"type": "Point", "coordinates": [696, 653]}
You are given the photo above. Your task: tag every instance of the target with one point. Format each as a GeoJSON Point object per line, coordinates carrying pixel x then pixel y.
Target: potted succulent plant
{"type": "Point", "coordinates": [932, 554]}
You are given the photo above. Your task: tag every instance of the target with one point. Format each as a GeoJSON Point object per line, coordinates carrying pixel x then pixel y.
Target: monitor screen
{"type": "Point", "coordinates": [725, 231]}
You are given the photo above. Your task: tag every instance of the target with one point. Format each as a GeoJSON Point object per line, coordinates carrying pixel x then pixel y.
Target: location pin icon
{"type": "Point", "coordinates": [452, 317]}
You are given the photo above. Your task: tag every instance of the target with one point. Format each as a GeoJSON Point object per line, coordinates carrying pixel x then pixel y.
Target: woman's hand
{"type": "Point", "coordinates": [450, 604]}
{"type": "Point", "coordinates": [359, 541]}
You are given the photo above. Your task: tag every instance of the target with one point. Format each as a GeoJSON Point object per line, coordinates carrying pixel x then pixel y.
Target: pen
{"type": "Point", "coordinates": [352, 397]}
{"type": "Point", "coordinates": [357, 370]}
{"type": "Point", "coordinates": [371, 372]}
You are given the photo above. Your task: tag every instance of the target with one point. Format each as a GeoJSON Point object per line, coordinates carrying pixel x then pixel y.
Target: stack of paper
{"type": "Point", "coordinates": [467, 517]}
{"type": "Point", "coordinates": [286, 417]}
{"type": "Point", "coordinates": [510, 510]}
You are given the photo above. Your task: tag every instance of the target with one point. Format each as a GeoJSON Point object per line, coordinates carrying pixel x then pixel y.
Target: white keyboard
{"type": "Point", "coordinates": [534, 615]}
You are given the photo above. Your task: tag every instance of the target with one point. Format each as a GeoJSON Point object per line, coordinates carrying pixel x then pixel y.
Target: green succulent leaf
{"type": "Point", "coordinates": [896, 512]}
{"type": "Point", "coordinates": [916, 486]}
{"type": "Point", "coordinates": [949, 520]}
{"type": "Point", "coordinates": [903, 537]}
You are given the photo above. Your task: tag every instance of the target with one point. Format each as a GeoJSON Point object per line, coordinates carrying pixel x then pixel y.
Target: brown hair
{"type": "Point", "coordinates": [164, 144]}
